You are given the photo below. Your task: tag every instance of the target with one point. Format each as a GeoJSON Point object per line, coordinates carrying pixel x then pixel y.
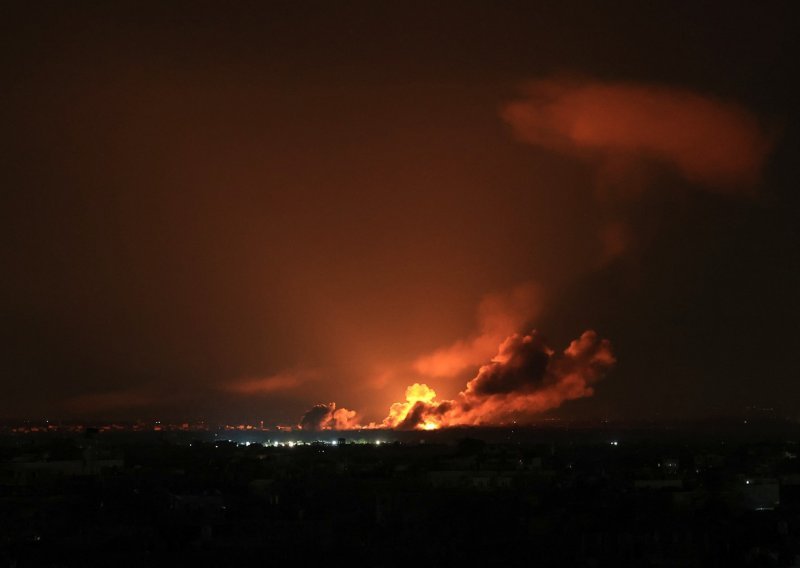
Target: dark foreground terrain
{"type": "Point", "coordinates": [555, 497]}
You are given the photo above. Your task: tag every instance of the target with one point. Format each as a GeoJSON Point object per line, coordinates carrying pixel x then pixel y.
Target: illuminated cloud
{"type": "Point", "coordinates": [519, 381]}
{"type": "Point", "coordinates": [499, 315]}
{"type": "Point", "coordinates": [524, 378]}
{"type": "Point", "coordinates": [709, 141]}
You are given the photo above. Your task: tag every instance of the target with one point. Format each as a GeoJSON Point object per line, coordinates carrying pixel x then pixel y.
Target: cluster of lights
{"type": "Point", "coordinates": [293, 443]}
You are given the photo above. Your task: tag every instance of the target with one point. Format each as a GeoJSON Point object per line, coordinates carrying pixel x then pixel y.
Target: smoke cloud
{"type": "Point", "coordinates": [499, 315]}
{"type": "Point", "coordinates": [709, 141]}
{"type": "Point", "coordinates": [328, 417]}
{"type": "Point", "coordinates": [524, 378]}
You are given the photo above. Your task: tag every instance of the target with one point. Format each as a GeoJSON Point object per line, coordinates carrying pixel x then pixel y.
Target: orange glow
{"type": "Point", "coordinates": [709, 141]}
{"type": "Point", "coordinates": [399, 411]}
{"type": "Point", "coordinates": [499, 315]}
{"type": "Point", "coordinates": [524, 378]}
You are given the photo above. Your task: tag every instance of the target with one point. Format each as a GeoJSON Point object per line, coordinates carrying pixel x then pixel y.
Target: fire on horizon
{"type": "Point", "coordinates": [442, 215]}
{"type": "Point", "coordinates": [525, 378]}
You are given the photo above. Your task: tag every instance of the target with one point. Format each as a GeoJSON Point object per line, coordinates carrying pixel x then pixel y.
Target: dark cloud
{"type": "Point", "coordinates": [328, 417]}
{"type": "Point", "coordinates": [527, 378]}
{"type": "Point", "coordinates": [519, 368]}
{"type": "Point", "coordinates": [317, 417]}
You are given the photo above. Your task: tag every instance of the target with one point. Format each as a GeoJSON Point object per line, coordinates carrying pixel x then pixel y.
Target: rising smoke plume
{"type": "Point", "coordinates": [524, 378]}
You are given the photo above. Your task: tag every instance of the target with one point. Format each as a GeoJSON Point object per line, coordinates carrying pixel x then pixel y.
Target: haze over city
{"type": "Point", "coordinates": [402, 215]}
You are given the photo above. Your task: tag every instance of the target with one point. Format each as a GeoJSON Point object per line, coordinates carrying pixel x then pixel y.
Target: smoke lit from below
{"type": "Point", "coordinates": [523, 379]}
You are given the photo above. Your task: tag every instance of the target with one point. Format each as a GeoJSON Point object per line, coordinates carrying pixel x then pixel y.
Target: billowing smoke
{"type": "Point", "coordinates": [709, 141]}
{"type": "Point", "coordinates": [524, 378]}
{"type": "Point", "coordinates": [527, 377]}
{"type": "Point", "coordinates": [328, 417]}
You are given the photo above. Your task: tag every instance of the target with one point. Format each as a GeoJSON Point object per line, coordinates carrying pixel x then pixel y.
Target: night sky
{"type": "Point", "coordinates": [238, 210]}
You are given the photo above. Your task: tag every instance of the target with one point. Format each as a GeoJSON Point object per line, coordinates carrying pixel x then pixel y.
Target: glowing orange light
{"type": "Point", "coordinates": [497, 394]}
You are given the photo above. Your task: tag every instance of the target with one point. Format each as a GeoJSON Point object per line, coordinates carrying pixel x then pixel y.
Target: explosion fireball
{"type": "Point", "coordinates": [524, 378]}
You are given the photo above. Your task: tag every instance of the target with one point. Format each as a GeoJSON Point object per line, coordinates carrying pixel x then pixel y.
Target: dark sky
{"type": "Point", "coordinates": [238, 210]}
